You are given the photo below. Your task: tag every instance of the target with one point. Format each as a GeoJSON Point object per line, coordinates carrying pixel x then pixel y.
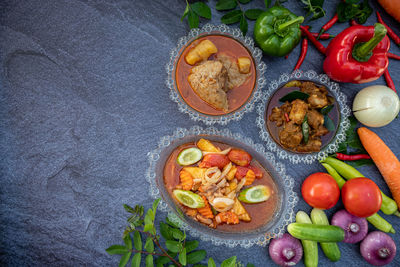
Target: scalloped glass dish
{"type": "Point", "coordinates": [342, 121]}
{"type": "Point", "coordinates": [287, 199]}
{"type": "Point", "coordinates": [195, 113]}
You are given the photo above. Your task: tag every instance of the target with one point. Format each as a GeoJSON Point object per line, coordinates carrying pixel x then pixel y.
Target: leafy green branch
{"type": "Point", "coordinates": [314, 7]}
{"type": "Point", "coordinates": [194, 11]}
{"type": "Point", "coordinates": [175, 250]}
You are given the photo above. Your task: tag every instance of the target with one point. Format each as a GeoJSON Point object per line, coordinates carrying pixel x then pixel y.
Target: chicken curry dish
{"type": "Point", "coordinates": [303, 120]}
{"type": "Point", "coordinates": [215, 75]}
{"type": "Point", "coordinates": [220, 186]}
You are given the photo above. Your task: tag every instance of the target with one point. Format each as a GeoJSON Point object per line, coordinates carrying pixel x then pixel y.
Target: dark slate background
{"type": "Point", "coordinates": [83, 100]}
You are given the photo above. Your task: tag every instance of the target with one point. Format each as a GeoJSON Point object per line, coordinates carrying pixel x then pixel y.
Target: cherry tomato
{"type": "Point", "coordinates": [320, 191]}
{"type": "Point", "coordinates": [361, 197]}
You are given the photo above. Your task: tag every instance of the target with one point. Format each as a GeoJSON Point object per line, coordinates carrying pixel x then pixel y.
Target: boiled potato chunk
{"type": "Point", "coordinates": [240, 211]}
{"type": "Point", "coordinates": [201, 52]}
{"type": "Point", "coordinates": [244, 64]}
{"type": "Point", "coordinates": [196, 172]}
{"type": "Point", "coordinates": [205, 145]}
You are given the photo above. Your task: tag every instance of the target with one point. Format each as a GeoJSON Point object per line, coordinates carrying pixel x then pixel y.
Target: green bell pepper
{"type": "Point", "coordinates": [277, 31]}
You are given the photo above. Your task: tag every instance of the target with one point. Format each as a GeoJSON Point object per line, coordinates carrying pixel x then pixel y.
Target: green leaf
{"type": "Point", "coordinates": [243, 25]}
{"type": "Point", "coordinates": [196, 257]}
{"type": "Point", "coordinates": [253, 14]}
{"type": "Point", "coordinates": [293, 95]}
{"type": "Point", "coordinates": [171, 223]}
{"type": "Point", "coordinates": [199, 265]}
{"type": "Point", "coordinates": [361, 162]}
{"type": "Point", "coordinates": [166, 231]}
{"type": "Point", "coordinates": [267, 3]}
{"type": "Point", "coordinates": [162, 260]}
{"type": "Point", "coordinates": [149, 228]}
{"type": "Point", "coordinates": [305, 128]}
{"type": "Point", "coordinates": [116, 249]}
{"type": "Point", "coordinates": [129, 208]}
{"type": "Point", "coordinates": [186, 12]}
{"type": "Point", "coordinates": [244, 1]}
{"type": "Point", "coordinates": [137, 240]}
{"type": "Point", "coordinates": [149, 261]}
{"type": "Point", "coordinates": [225, 5]}
{"type": "Point", "coordinates": [124, 259]}
{"type": "Point", "coordinates": [149, 218]}
{"type": "Point", "coordinates": [177, 234]}
{"type": "Point", "coordinates": [173, 246]}
{"type": "Point", "coordinates": [232, 17]}
{"type": "Point", "coordinates": [231, 262]}
{"type": "Point", "coordinates": [182, 257]}
{"type": "Point", "coordinates": [328, 123]}
{"type": "Point", "coordinates": [191, 245]}
{"type": "Point", "coordinates": [149, 245]}
{"type": "Point", "coordinates": [193, 19]}
{"type": "Point", "coordinates": [211, 263]}
{"type": "Point", "coordinates": [154, 208]}
{"type": "Point", "coordinates": [128, 241]}
{"type": "Point", "coordinates": [325, 110]}
{"type": "Point", "coordinates": [201, 9]}
{"type": "Point", "coordinates": [250, 265]}
{"type": "Point", "coordinates": [136, 260]}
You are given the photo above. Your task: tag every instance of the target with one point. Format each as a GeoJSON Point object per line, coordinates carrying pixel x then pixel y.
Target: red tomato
{"type": "Point", "coordinates": [320, 191]}
{"type": "Point", "coordinates": [214, 160]}
{"type": "Point", "coordinates": [361, 197]}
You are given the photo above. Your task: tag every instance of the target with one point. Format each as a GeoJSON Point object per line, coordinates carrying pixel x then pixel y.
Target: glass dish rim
{"type": "Point", "coordinates": [328, 149]}
{"type": "Point", "coordinates": [247, 42]}
{"type": "Point", "coordinates": [261, 239]}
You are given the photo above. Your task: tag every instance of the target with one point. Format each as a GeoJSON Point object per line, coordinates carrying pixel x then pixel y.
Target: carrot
{"type": "Point", "coordinates": [206, 210]}
{"type": "Point", "coordinates": [391, 7]}
{"type": "Point", "coordinates": [384, 159]}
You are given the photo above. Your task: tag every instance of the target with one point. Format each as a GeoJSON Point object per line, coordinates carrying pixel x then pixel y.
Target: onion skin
{"type": "Point", "coordinates": [355, 228]}
{"type": "Point", "coordinates": [376, 106]}
{"type": "Point", "coordinates": [375, 244]}
{"type": "Point", "coordinates": [286, 250]}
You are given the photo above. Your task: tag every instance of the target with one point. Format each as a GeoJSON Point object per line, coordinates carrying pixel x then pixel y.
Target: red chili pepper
{"type": "Point", "coordinates": [341, 156]}
{"type": "Point", "coordinates": [358, 54]}
{"type": "Point", "coordinates": [390, 32]}
{"type": "Point", "coordinates": [389, 80]}
{"type": "Point", "coordinates": [303, 53]}
{"type": "Point", "coordinates": [313, 40]}
{"type": "Point", "coordinates": [353, 23]}
{"type": "Point", "coordinates": [323, 36]}
{"type": "Point", "coordinates": [287, 117]}
{"type": "Point", "coordinates": [394, 56]}
{"type": "Point", "coordinates": [328, 25]}
{"type": "Point", "coordinates": [286, 57]}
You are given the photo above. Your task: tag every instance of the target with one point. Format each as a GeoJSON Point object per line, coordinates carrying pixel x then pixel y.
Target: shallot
{"type": "Point", "coordinates": [286, 250]}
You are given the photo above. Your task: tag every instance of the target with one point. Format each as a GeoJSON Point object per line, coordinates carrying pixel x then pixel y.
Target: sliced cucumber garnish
{"type": "Point", "coordinates": [255, 194]}
{"type": "Point", "coordinates": [189, 156]}
{"type": "Point", "coordinates": [189, 199]}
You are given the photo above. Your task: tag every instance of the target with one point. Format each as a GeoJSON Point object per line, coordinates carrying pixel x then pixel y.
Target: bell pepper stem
{"type": "Point", "coordinates": [363, 52]}
{"type": "Point", "coordinates": [297, 20]}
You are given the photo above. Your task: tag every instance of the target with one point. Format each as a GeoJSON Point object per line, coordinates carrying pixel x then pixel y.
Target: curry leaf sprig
{"type": "Point", "coordinates": [175, 250]}
{"type": "Point", "coordinates": [194, 11]}
{"type": "Point", "coordinates": [314, 8]}
{"type": "Point", "coordinates": [238, 15]}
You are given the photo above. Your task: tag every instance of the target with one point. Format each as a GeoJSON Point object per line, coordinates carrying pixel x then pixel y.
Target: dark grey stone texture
{"type": "Point", "coordinates": [82, 100]}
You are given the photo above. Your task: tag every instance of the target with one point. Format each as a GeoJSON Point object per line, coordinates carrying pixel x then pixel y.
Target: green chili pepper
{"type": "Point", "coordinates": [388, 206]}
{"type": "Point", "coordinates": [306, 129]}
{"type": "Point", "coordinates": [277, 31]}
{"type": "Point", "coordinates": [339, 180]}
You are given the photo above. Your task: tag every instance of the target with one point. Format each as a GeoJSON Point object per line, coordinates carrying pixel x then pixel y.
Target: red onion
{"type": "Point", "coordinates": [286, 250]}
{"type": "Point", "coordinates": [378, 248]}
{"type": "Point", "coordinates": [355, 228]}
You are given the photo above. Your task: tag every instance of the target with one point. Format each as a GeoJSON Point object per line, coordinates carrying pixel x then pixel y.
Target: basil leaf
{"type": "Point", "coordinates": [232, 17]}
{"type": "Point", "coordinates": [149, 261]}
{"type": "Point", "coordinates": [325, 110]}
{"type": "Point", "coordinates": [201, 9]}
{"type": "Point", "coordinates": [243, 25]}
{"type": "Point", "coordinates": [191, 245]}
{"type": "Point", "coordinates": [328, 123]}
{"type": "Point", "coordinates": [182, 257]}
{"type": "Point", "coordinates": [186, 12]}
{"type": "Point", "coordinates": [225, 5]}
{"type": "Point", "coordinates": [231, 262]}
{"type": "Point", "coordinates": [136, 260]}
{"type": "Point", "coordinates": [293, 95]}
{"type": "Point", "coordinates": [124, 259]}
{"type": "Point", "coordinates": [196, 256]}
{"type": "Point", "coordinates": [211, 263]}
{"type": "Point", "coordinates": [193, 20]}
{"type": "Point", "coordinates": [253, 14]}
{"type": "Point", "coordinates": [137, 240]}
{"type": "Point", "coordinates": [116, 249]}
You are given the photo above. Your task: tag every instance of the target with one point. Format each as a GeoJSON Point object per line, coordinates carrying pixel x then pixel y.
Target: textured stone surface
{"type": "Point", "coordinates": [82, 100]}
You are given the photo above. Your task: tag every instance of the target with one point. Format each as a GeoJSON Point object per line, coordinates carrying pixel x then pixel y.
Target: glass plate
{"type": "Point", "coordinates": [260, 236]}
{"type": "Point", "coordinates": [237, 35]}
{"type": "Point", "coordinates": [330, 147]}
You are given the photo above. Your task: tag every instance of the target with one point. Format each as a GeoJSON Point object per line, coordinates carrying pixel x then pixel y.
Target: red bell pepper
{"type": "Point", "coordinates": [358, 54]}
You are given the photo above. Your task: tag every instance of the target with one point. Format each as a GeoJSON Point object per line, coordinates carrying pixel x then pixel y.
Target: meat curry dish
{"type": "Point", "coordinates": [215, 75]}
{"type": "Point", "coordinates": [301, 119]}
{"type": "Point", "coordinates": [232, 190]}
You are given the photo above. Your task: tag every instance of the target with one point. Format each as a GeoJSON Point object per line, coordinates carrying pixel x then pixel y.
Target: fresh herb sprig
{"type": "Point", "coordinates": [314, 8]}
{"type": "Point", "coordinates": [354, 9]}
{"type": "Point", "coordinates": [238, 15]}
{"type": "Point", "coordinates": [194, 11]}
{"type": "Point", "coordinates": [176, 250]}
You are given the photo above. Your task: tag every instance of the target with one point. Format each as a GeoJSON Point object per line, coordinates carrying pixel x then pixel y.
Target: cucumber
{"type": "Point", "coordinates": [314, 232]}
{"type": "Point", "coordinates": [310, 247]}
{"type": "Point", "coordinates": [330, 249]}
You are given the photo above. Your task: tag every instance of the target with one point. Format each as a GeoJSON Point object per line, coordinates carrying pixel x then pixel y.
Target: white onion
{"type": "Point", "coordinates": [376, 106]}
